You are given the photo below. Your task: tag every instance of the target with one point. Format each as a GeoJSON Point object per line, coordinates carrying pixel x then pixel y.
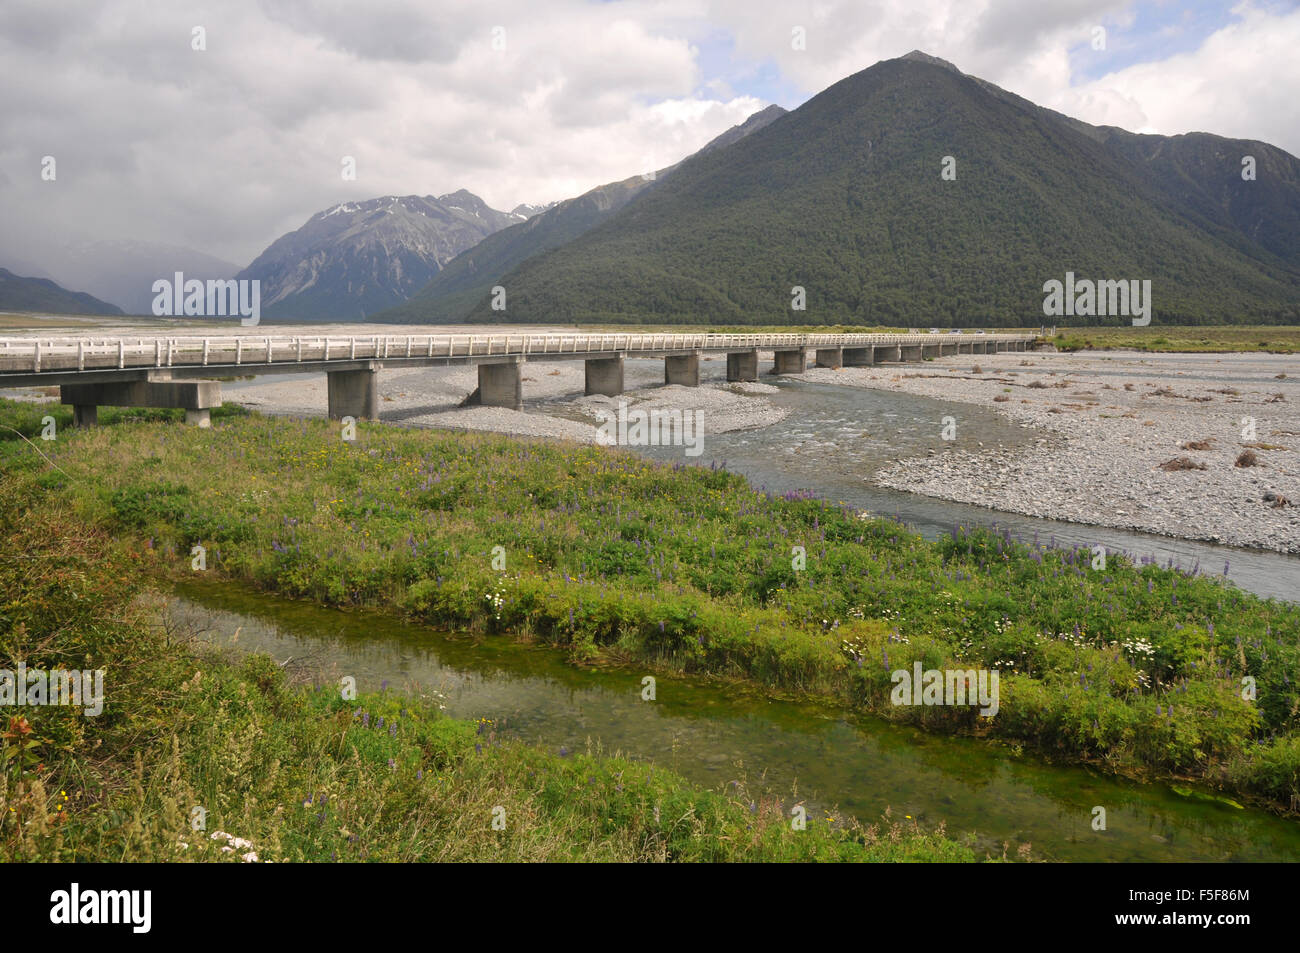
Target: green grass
{"type": "Point", "coordinates": [1135, 668]}
{"type": "Point", "coordinates": [300, 774]}
{"type": "Point", "coordinates": [1182, 338]}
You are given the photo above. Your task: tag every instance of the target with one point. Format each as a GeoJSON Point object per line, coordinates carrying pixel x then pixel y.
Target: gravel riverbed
{"type": "Point", "coordinates": [1124, 439]}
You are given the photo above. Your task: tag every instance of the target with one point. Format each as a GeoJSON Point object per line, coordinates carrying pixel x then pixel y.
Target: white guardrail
{"type": "Point", "coordinates": [29, 355]}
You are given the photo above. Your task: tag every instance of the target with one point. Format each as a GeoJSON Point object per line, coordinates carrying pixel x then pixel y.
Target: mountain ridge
{"type": "Point", "coordinates": [19, 293]}
{"type": "Point", "coordinates": [356, 258]}
{"type": "Point", "coordinates": [450, 294]}
{"type": "Point", "coordinates": [844, 197]}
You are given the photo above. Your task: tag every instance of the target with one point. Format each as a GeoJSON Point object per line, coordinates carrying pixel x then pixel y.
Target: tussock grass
{"type": "Point", "coordinates": [1181, 463]}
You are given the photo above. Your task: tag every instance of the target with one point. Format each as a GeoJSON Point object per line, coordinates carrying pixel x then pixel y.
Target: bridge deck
{"type": "Point", "coordinates": [36, 361]}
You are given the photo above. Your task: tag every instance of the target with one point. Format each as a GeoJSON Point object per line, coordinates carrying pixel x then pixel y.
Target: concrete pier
{"type": "Point", "coordinates": [501, 385]}
{"type": "Point", "coordinates": [196, 397]}
{"type": "Point", "coordinates": [605, 376]}
{"type": "Point", "coordinates": [857, 356]}
{"type": "Point", "coordinates": [742, 365]}
{"type": "Point", "coordinates": [793, 361]}
{"type": "Point", "coordinates": [683, 369]}
{"type": "Point", "coordinates": [832, 357]}
{"type": "Point", "coordinates": [354, 393]}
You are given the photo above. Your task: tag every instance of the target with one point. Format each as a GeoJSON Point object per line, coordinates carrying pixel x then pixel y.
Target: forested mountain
{"type": "Point", "coordinates": [845, 197]}
{"type": "Point", "coordinates": [40, 294]}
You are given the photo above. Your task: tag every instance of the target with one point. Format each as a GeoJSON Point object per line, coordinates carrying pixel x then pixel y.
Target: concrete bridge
{"type": "Point", "coordinates": [171, 371]}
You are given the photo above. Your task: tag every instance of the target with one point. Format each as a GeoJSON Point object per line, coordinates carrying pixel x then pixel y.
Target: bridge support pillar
{"type": "Point", "coordinates": [911, 352]}
{"type": "Point", "coordinates": [857, 357]}
{"type": "Point", "coordinates": [194, 396]}
{"type": "Point", "coordinates": [605, 376]}
{"type": "Point", "coordinates": [742, 365]}
{"type": "Point", "coordinates": [832, 357]}
{"type": "Point", "coordinates": [683, 369]}
{"type": "Point", "coordinates": [888, 352]}
{"type": "Point", "coordinates": [791, 361]}
{"type": "Point", "coordinates": [354, 393]}
{"type": "Point", "coordinates": [501, 385]}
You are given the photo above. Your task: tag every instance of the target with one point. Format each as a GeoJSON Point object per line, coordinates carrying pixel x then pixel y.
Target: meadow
{"type": "Point", "coordinates": [1135, 668]}
{"type": "Point", "coordinates": [1274, 339]}
{"type": "Point", "coordinates": [203, 756]}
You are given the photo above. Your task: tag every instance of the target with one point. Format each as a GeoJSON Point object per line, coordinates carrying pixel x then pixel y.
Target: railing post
{"type": "Point", "coordinates": [205, 352]}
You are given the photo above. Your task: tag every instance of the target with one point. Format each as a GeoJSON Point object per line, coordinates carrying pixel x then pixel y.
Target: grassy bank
{"type": "Point", "coordinates": [1135, 668]}
{"type": "Point", "coordinates": [298, 773]}
{"type": "Point", "coordinates": [1274, 339]}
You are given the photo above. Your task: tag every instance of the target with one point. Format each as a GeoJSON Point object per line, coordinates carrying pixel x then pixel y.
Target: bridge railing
{"type": "Point", "coordinates": [28, 355]}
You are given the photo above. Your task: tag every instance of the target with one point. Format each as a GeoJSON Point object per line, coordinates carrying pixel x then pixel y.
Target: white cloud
{"type": "Point", "coordinates": [224, 150]}
{"type": "Point", "coordinates": [1242, 82]}
{"type": "Point", "coordinates": [227, 148]}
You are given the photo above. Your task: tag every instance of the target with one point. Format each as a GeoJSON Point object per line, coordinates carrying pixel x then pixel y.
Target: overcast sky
{"type": "Point", "coordinates": [226, 148]}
